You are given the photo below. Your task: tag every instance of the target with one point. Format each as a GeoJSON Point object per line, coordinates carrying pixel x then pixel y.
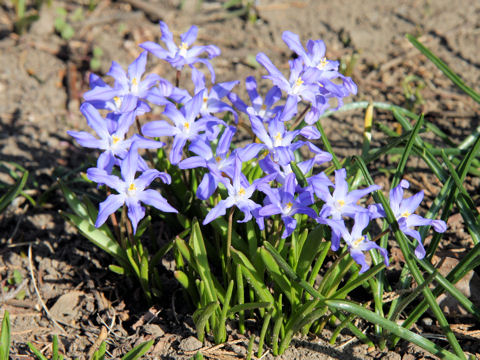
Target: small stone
{"type": "Point", "coordinates": [190, 344]}
{"type": "Point", "coordinates": [427, 321]}
{"type": "Point", "coordinates": [240, 350]}
{"type": "Point", "coordinates": [154, 330]}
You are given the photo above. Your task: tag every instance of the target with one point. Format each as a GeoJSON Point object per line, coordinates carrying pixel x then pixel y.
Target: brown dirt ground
{"type": "Point", "coordinates": [42, 78]}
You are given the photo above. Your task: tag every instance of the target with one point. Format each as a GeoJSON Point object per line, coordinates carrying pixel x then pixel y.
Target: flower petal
{"type": "Point", "coordinates": [109, 206]}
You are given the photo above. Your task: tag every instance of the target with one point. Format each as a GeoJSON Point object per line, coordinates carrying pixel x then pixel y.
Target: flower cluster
{"type": "Point", "coordinates": [202, 139]}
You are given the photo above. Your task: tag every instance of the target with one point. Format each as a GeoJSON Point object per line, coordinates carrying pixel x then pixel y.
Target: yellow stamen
{"type": "Point", "coordinates": [218, 159]}
{"type": "Point", "coordinates": [357, 242]}
{"type": "Point", "coordinates": [341, 203]}
{"type": "Point", "coordinates": [115, 139]}
{"type": "Point", "coordinates": [134, 82]}
{"type": "Point", "coordinates": [183, 46]}
{"type": "Point", "coordinates": [299, 82]}
{"type": "Point", "coordinates": [132, 187]}
{"type": "Point", "coordinates": [186, 125]}
{"type": "Point", "coordinates": [241, 192]}
{"type": "Point", "coordinates": [322, 63]}
{"type": "Point", "coordinates": [278, 139]}
{"type": "Point", "coordinates": [118, 101]}
{"type": "Point", "coordinates": [288, 207]}
{"type": "Point", "coordinates": [205, 99]}
{"type": "Point", "coordinates": [406, 214]}
{"type": "Point", "coordinates": [264, 107]}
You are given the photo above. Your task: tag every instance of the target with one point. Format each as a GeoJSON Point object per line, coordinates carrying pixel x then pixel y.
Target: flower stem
{"type": "Point", "coordinates": [177, 78]}
{"type": "Point", "coordinates": [229, 232]}
{"type": "Point", "coordinates": [300, 117]}
{"type": "Point", "coordinates": [229, 241]}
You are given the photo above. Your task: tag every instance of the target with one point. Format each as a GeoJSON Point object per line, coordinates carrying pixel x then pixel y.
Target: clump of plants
{"type": "Point", "coordinates": [254, 225]}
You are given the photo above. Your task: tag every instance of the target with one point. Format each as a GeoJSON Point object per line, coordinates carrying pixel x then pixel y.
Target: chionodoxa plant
{"type": "Point", "coordinates": [253, 227]}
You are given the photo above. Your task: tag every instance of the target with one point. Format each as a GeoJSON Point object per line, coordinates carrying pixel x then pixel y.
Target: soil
{"type": "Point", "coordinates": [42, 79]}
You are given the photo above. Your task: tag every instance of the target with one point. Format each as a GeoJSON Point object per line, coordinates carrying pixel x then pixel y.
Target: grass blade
{"type": "Point", "coordinates": [444, 68]}
{"type": "Point", "coordinates": [408, 335]}
{"type": "Point", "coordinates": [138, 351]}
{"type": "Point", "coordinates": [13, 192]}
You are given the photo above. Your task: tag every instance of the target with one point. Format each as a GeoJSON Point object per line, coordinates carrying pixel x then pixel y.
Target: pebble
{"type": "Point", "coordinates": [154, 330]}
{"type": "Point", "coordinates": [190, 344]}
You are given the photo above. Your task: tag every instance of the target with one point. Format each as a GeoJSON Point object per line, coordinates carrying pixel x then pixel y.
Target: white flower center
{"type": "Point", "coordinates": [278, 140]}
{"type": "Point", "coordinates": [288, 208]}
{"type": "Point", "coordinates": [118, 102]}
{"type": "Point", "coordinates": [339, 204]}
{"type": "Point", "coordinates": [114, 142]}
{"type": "Point", "coordinates": [132, 190]}
{"type": "Point", "coordinates": [240, 194]}
{"type": "Point", "coordinates": [296, 87]}
{"type": "Point", "coordinates": [357, 242]}
{"type": "Point", "coordinates": [183, 49]}
{"type": "Point", "coordinates": [134, 86]}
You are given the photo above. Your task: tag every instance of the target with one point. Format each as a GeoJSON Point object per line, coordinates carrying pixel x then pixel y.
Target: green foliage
{"type": "Point", "coordinates": [136, 353]}
{"type": "Point", "coordinates": [95, 61]}
{"type": "Point", "coordinates": [5, 337]}
{"type": "Point", "coordinates": [232, 271]}
{"type": "Point", "coordinates": [131, 257]}
{"type": "Point", "coordinates": [24, 18]}
{"type": "Point", "coordinates": [13, 191]}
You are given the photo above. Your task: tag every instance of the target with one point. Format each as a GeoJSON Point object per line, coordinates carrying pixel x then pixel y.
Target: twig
{"type": "Point", "coordinates": [44, 306]}
{"type": "Point", "coordinates": [102, 336]}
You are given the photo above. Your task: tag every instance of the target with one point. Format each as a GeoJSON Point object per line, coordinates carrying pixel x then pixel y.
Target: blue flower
{"type": "Point", "coordinates": [218, 164]}
{"type": "Point", "coordinates": [356, 242]}
{"type": "Point", "coordinates": [131, 190]}
{"type": "Point", "coordinates": [112, 136]}
{"type": "Point", "coordinates": [211, 99]}
{"type": "Point", "coordinates": [126, 84]}
{"type": "Point", "coordinates": [262, 109]}
{"type": "Point", "coordinates": [239, 193]}
{"type": "Point", "coordinates": [282, 201]}
{"type": "Point", "coordinates": [341, 202]}
{"type": "Point", "coordinates": [186, 126]}
{"type": "Point", "coordinates": [277, 139]}
{"type": "Point", "coordinates": [404, 209]}
{"type": "Point", "coordinates": [185, 54]}
{"type": "Point", "coordinates": [302, 83]}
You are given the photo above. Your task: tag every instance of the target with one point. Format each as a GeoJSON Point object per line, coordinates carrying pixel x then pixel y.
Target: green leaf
{"type": "Point", "coordinates": [406, 153]}
{"type": "Point", "coordinates": [37, 353]}
{"type": "Point", "coordinates": [117, 269]}
{"type": "Point", "coordinates": [444, 68]}
{"type": "Point", "coordinates": [5, 337]}
{"type": "Point", "coordinates": [67, 32]}
{"type": "Point", "coordinates": [248, 306]}
{"type": "Point", "coordinates": [278, 277]}
{"type": "Point", "coordinates": [13, 192]}
{"type": "Point", "coordinates": [392, 327]}
{"type": "Point", "coordinates": [138, 351]}
{"type": "Point", "coordinates": [99, 238]}
{"type": "Point", "coordinates": [75, 204]}
{"type": "Point", "coordinates": [201, 316]}
{"type": "Point", "coordinates": [200, 254]}
{"type": "Point", "coordinates": [99, 354]}
{"type": "Point", "coordinates": [313, 245]}
{"type": "Point", "coordinates": [251, 275]}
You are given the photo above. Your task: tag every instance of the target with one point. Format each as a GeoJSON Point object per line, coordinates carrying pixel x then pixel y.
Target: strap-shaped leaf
{"type": "Point", "coordinates": [138, 351]}
{"type": "Point", "coordinates": [392, 327]}
{"type": "Point", "coordinates": [201, 316]}
{"type": "Point", "coordinates": [444, 68]}
{"type": "Point", "coordinates": [5, 337]}
{"type": "Point", "coordinates": [13, 192]}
